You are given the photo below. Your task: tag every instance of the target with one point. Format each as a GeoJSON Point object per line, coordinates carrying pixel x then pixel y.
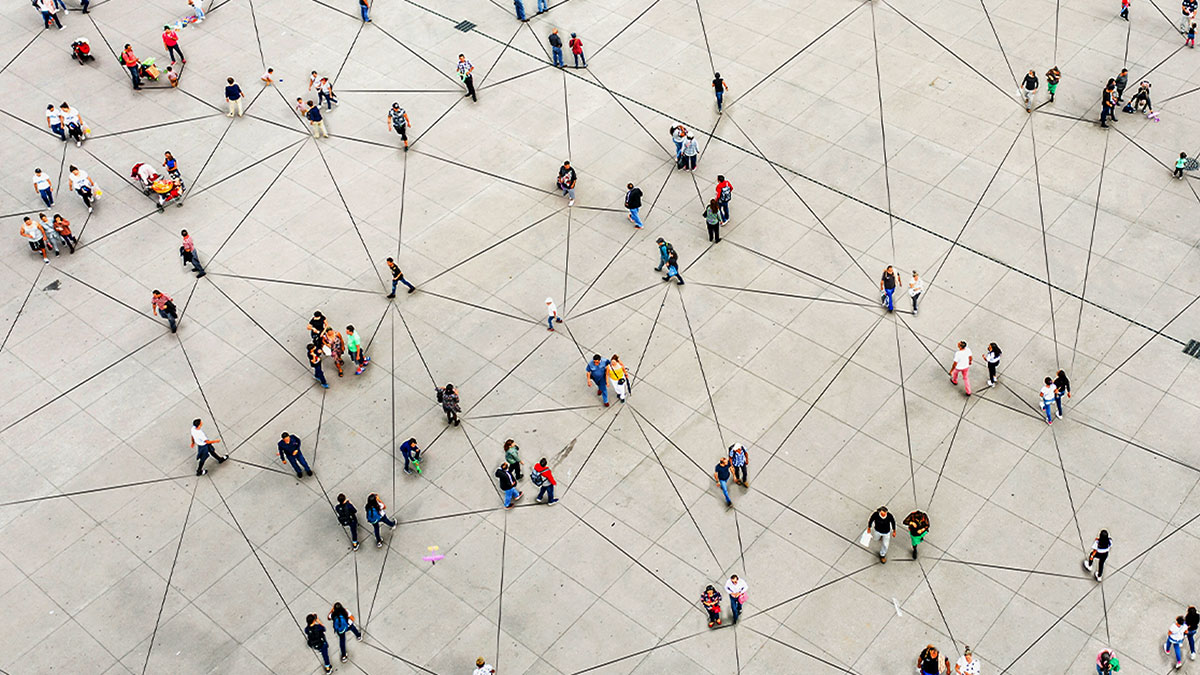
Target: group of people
{"type": "Point", "coordinates": [556, 45]}
{"type": "Point", "coordinates": [343, 622]}
{"type": "Point", "coordinates": [887, 289]}
{"type": "Point", "coordinates": [50, 235]}
{"type": "Point", "coordinates": [603, 373]}
{"type": "Point", "coordinates": [327, 341]}
{"type": "Point", "coordinates": [710, 599]}
{"type": "Point", "coordinates": [881, 527]}
{"type": "Point", "coordinates": [960, 366]}
{"type": "Point", "coordinates": [510, 472]}
{"type": "Point", "coordinates": [734, 465]}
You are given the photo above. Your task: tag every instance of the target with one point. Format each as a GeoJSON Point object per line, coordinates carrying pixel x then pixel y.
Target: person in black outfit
{"type": "Point", "coordinates": [1029, 87]}
{"type": "Point", "coordinates": [633, 202]}
{"type": "Point", "coordinates": [556, 48]}
{"type": "Point", "coordinates": [314, 633]}
{"type": "Point", "coordinates": [316, 327]}
{"type": "Point", "coordinates": [1192, 619]}
{"type": "Point", "coordinates": [887, 284]}
{"type": "Point", "coordinates": [347, 515]}
{"type": "Point", "coordinates": [927, 661]}
{"type": "Point", "coordinates": [1061, 386]}
{"type": "Point", "coordinates": [882, 526]}
{"type": "Point", "coordinates": [289, 451]}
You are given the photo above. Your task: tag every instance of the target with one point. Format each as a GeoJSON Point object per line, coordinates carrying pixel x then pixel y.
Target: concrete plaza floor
{"type": "Point", "coordinates": [856, 135]}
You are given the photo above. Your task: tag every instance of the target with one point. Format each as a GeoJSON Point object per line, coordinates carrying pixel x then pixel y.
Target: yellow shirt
{"type": "Point", "coordinates": [616, 372]}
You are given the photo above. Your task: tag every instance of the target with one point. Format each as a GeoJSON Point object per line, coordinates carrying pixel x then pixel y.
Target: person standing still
{"type": "Point", "coordinates": [596, 376]}
{"type": "Point", "coordinates": [712, 220]}
{"type": "Point", "coordinates": [566, 182]}
{"type": "Point", "coordinates": [314, 359]}
{"type": "Point", "coordinates": [347, 516]}
{"type": "Point", "coordinates": [1108, 104]}
{"type": "Point", "coordinates": [1061, 386]}
{"type": "Point", "coordinates": [633, 202]}
{"type": "Point", "coordinates": [197, 9]}
{"type": "Point", "coordinates": [289, 452]}
{"type": "Point", "coordinates": [992, 357]}
{"type": "Point", "coordinates": [576, 46]}
{"type": "Point", "coordinates": [190, 255]}
{"type": "Point", "coordinates": [465, 69]}
{"type": "Point", "coordinates": [882, 526]}
{"type": "Point", "coordinates": [724, 195]}
{"type": "Point", "coordinates": [233, 96]}
{"type": "Point", "coordinates": [172, 166]}
{"type": "Point", "coordinates": [918, 526]}
{"type": "Point", "coordinates": [678, 136]}
{"type": "Point", "coordinates": [543, 479]}
{"type": "Point", "coordinates": [721, 475]}
{"type": "Point", "coordinates": [736, 588]}
{"type": "Point", "coordinates": [1052, 77]}
{"type": "Point", "coordinates": [739, 459]}
{"type": "Point", "coordinates": [691, 152]}
{"type": "Point", "coordinates": [915, 288]}
{"type": "Point", "coordinates": [133, 65]}
{"type": "Point", "coordinates": [314, 635]}
{"type": "Point", "coordinates": [719, 89]}
{"type": "Point", "coordinates": [204, 447]}
{"type": "Point", "coordinates": [171, 41]}
{"type": "Point", "coordinates": [1192, 619]}
{"type": "Point", "coordinates": [887, 284]}
{"type": "Point", "coordinates": [1029, 87]}
{"type": "Point", "coordinates": [1122, 81]}
{"type": "Point", "coordinates": [358, 353]}
{"type": "Point", "coordinates": [165, 307]}
{"type": "Point", "coordinates": [397, 278]}
{"type": "Point", "coordinates": [963, 358]}
{"type": "Point", "coordinates": [44, 188]}
{"type": "Point", "coordinates": [555, 46]}
{"type": "Point", "coordinates": [448, 397]}
{"type": "Point", "coordinates": [316, 121]}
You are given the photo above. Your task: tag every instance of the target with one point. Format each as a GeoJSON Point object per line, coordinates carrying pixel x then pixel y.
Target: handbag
{"type": "Point", "coordinates": [327, 350]}
{"type": "Point", "coordinates": [865, 539]}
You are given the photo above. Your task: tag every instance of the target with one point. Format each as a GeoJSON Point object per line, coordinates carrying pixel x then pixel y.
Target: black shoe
{"type": "Point", "coordinates": [914, 553]}
{"type": "Point", "coordinates": [455, 422]}
{"type": "Point", "coordinates": [172, 329]}
{"type": "Point", "coordinates": [391, 295]}
{"type": "Point", "coordinates": [201, 274]}
{"type": "Point", "coordinates": [222, 459]}
{"type": "Point", "coordinates": [308, 471]}
{"type": "Point", "coordinates": [299, 475]}
{"type": "Point", "coordinates": [201, 473]}
{"type": "Point", "coordinates": [412, 289]}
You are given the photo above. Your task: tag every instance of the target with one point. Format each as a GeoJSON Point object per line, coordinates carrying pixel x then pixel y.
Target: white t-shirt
{"type": "Point", "coordinates": [68, 116]}
{"type": "Point", "coordinates": [41, 182]}
{"type": "Point", "coordinates": [916, 286]}
{"type": "Point", "coordinates": [79, 180]}
{"type": "Point", "coordinates": [1048, 393]}
{"type": "Point", "coordinates": [735, 589]}
{"type": "Point", "coordinates": [962, 359]}
{"type": "Point", "coordinates": [54, 116]}
{"type": "Point", "coordinates": [198, 436]}
{"type": "Point", "coordinates": [551, 309]}
{"type": "Point", "coordinates": [991, 357]}
{"type": "Point", "coordinates": [485, 669]}
{"type": "Point", "coordinates": [1178, 632]}
{"type": "Point", "coordinates": [31, 230]}
{"type": "Point", "coordinates": [964, 668]}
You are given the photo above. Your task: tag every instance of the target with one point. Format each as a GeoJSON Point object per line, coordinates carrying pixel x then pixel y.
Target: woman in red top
{"type": "Point", "coordinates": [577, 50]}
{"type": "Point", "coordinates": [171, 42]}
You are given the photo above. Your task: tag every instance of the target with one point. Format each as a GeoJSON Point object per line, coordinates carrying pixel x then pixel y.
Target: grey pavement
{"type": "Point", "coordinates": [856, 135]}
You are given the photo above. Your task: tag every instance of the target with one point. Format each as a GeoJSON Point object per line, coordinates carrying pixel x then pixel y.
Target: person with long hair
{"type": "Point", "coordinates": [1192, 619]}
{"type": "Point", "coordinates": [448, 397]}
{"type": "Point", "coordinates": [617, 377]}
{"type": "Point", "coordinates": [1099, 554]}
{"type": "Point", "coordinates": [343, 622]}
{"type": "Point", "coordinates": [377, 515]}
{"type": "Point", "coordinates": [712, 219]}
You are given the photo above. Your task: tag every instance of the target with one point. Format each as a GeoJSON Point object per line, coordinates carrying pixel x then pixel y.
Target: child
{"type": "Point", "coordinates": [172, 167]}
{"type": "Point", "coordinates": [1179, 164]}
{"type": "Point", "coordinates": [1191, 35]}
{"type": "Point", "coordinates": [172, 77]}
{"type": "Point", "coordinates": [301, 108]}
{"type": "Point", "coordinates": [269, 76]}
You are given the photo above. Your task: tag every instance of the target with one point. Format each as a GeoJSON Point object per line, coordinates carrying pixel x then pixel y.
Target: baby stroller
{"type": "Point", "coordinates": [167, 190]}
{"type": "Point", "coordinates": [81, 51]}
{"type": "Point", "coordinates": [145, 177]}
{"type": "Point", "coordinates": [148, 70]}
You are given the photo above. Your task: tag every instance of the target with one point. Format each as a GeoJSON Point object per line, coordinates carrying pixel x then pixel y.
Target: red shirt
{"type": "Point", "coordinates": [128, 58]}
{"type": "Point", "coordinates": [545, 471]}
{"type": "Point", "coordinates": [576, 46]}
{"type": "Point", "coordinates": [170, 38]}
{"type": "Point", "coordinates": [724, 184]}
{"type": "Point", "coordinates": [160, 301]}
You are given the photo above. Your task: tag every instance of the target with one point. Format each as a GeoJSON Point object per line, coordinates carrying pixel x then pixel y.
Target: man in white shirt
{"type": "Point", "coordinates": [483, 668]}
{"type": "Point", "coordinates": [735, 588]}
{"type": "Point", "coordinates": [55, 122]}
{"type": "Point", "coordinates": [915, 288]}
{"type": "Point", "coordinates": [962, 365]}
{"type": "Point", "coordinates": [967, 664]}
{"type": "Point", "coordinates": [204, 447]}
{"type": "Point", "coordinates": [41, 183]}
{"type": "Point", "coordinates": [551, 313]}
{"type": "Point", "coordinates": [1048, 393]}
{"type": "Point", "coordinates": [83, 184]}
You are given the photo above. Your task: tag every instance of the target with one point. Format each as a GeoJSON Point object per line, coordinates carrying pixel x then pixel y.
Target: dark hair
{"type": "Point", "coordinates": [309, 103]}
{"type": "Point", "coordinates": [712, 204]}
{"type": "Point", "coordinates": [350, 328]}
{"type": "Point", "coordinates": [1049, 381]}
{"type": "Point", "coordinates": [509, 443]}
{"type": "Point", "coordinates": [449, 387]}
{"type": "Point", "coordinates": [195, 422]}
{"type": "Point", "coordinates": [542, 461]}
{"type": "Point", "coordinates": [595, 357]}
{"type": "Point", "coordinates": [69, 168]}
{"type": "Point", "coordinates": [720, 177]}
{"type": "Point", "coordinates": [882, 509]}
{"type": "Point", "coordinates": [372, 500]}
{"type": "Point", "coordinates": [229, 80]}
{"type": "Point", "coordinates": [1179, 619]}
{"type": "Point", "coordinates": [341, 497]}
{"type": "Point", "coordinates": [285, 435]}
{"type": "Point", "coordinates": [338, 609]}
{"type": "Point", "coordinates": [1103, 538]}
{"type": "Point", "coordinates": [1061, 374]}
{"type": "Point", "coordinates": [717, 75]}
{"type": "Point", "coordinates": [310, 619]}
{"type": "Point", "coordinates": [318, 313]}
{"type": "Point", "coordinates": [181, 232]}
{"type": "Point", "coordinates": [412, 440]}
{"type": "Point", "coordinates": [390, 260]}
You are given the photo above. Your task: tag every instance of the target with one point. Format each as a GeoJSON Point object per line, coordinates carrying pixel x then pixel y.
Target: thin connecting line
{"type": "Point", "coordinates": [946, 458]}
{"type": "Point", "coordinates": [152, 126]}
{"type": "Point", "coordinates": [500, 595]}
{"type": "Point", "coordinates": [260, 326]}
{"type": "Point", "coordinates": [21, 309]}
{"type": "Point", "coordinates": [106, 488]}
{"type": "Point", "coordinates": [475, 255]}
{"type": "Point", "coordinates": [809, 654]}
{"type": "Point", "coordinates": [887, 180]}
{"type": "Point", "coordinates": [1070, 498]}
{"type": "Point", "coordinates": [348, 51]}
{"type": "Point", "coordinates": [1045, 245]}
{"type": "Point", "coordinates": [502, 51]}
{"type": "Point", "coordinates": [350, 215]}
{"type": "Point", "coordinates": [509, 373]}
{"type": "Point", "coordinates": [1087, 267]}
{"type": "Point", "coordinates": [290, 282]}
{"type": "Point", "coordinates": [797, 296]}
{"type": "Point", "coordinates": [415, 346]}
{"type": "Point", "coordinates": [707, 47]}
{"type": "Point", "coordinates": [170, 575]}
{"type": "Point", "coordinates": [1000, 45]}
{"type": "Point", "coordinates": [703, 377]}
{"type": "Point", "coordinates": [257, 201]}
{"type": "Point", "coordinates": [937, 603]}
{"type": "Point", "coordinates": [627, 27]}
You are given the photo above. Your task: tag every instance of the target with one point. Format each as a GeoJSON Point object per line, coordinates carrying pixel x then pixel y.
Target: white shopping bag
{"type": "Point", "coordinates": [865, 539]}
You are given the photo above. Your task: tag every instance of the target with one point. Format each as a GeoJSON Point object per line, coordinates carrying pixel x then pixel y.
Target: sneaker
{"type": "Point", "coordinates": [1100, 578]}
{"type": "Point", "coordinates": [391, 295]}
{"type": "Point", "coordinates": [354, 546]}
{"type": "Point", "coordinates": [325, 386]}
{"type": "Point", "coordinates": [79, 144]}
{"type": "Point", "coordinates": [412, 289]}
{"type": "Point", "coordinates": [408, 471]}
{"type": "Point", "coordinates": [201, 473]}
{"type": "Point", "coordinates": [328, 669]}
{"type": "Point", "coordinates": [309, 472]}
{"type": "Point", "coordinates": [571, 203]}
{"type": "Point", "coordinates": [46, 260]}
{"type": "Point", "coordinates": [378, 544]}
{"type": "Point", "coordinates": [1193, 656]}
{"type": "Point", "coordinates": [1088, 565]}
{"type": "Point", "coordinates": [519, 495]}
{"type": "Point", "coordinates": [358, 637]}
{"type": "Point", "coordinates": [555, 501]}
{"type": "Point", "coordinates": [358, 371]}
{"type": "Point", "coordinates": [345, 658]}
{"type": "Point", "coordinates": [299, 475]}
{"type": "Point", "coordinates": [914, 553]}
{"type": "Point", "coordinates": [1058, 415]}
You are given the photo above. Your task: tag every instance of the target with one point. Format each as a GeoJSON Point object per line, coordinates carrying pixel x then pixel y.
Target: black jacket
{"type": "Point", "coordinates": [506, 479]}
{"type": "Point", "coordinates": [555, 41]}
{"type": "Point", "coordinates": [633, 199]}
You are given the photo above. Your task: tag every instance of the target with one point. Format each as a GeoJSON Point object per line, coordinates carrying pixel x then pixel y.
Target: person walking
{"type": "Point", "coordinates": [172, 166]}
{"type": "Point", "coordinates": [1191, 36]}
{"type": "Point", "coordinates": [719, 89]}
{"type": "Point", "coordinates": [1106, 662]}
{"type": "Point", "coordinates": [1192, 619]}
{"type": "Point", "coordinates": [887, 285]}
{"type": "Point", "coordinates": [928, 662]}
{"type": "Point", "coordinates": [1125, 9]}
{"type": "Point", "coordinates": [566, 182]}
{"type": "Point", "coordinates": [314, 358]}
{"type": "Point", "coordinates": [736, 589]}
{"type": "Point", "coordinates": [711, 600]}
{"type": "Point", "coordinates": [37, 238]}
{"type": "Point", "coordinates": [617, 377]}
{"type": "Point", "coordinates": [482, 667]}
{"type": "Point", "coordinates": [412, 455]}
{"type": "Point", "coordinates": [596, 375]}
{"type": "Point", "coordinates": [712, 220]}
{"type": "Point", "coordinates": [347, 516]}
{"type": "Point", "coordinates": [633, 202]}
{"type": "Point", "coordinates": [992, 358]}
{"type": "Point", "coordinates": [915, 288]}
{"type": "Point", "coordinates": [49, 13]}
{"type": "Point", "coordinates": [234, 96]}
{"type": "Point", "coordinates": [84, 186]}
{"type": "Point", "coordinates": [918, 526]}
{"type": "Point", "coordinates": [1048, 395]}
{"type": "Point", "coordinates": [1061, 386]}
{"type": "Point", "coordinates": [555, 47]}
{"type": "Point", "coordinates": [133, 65]}
{"type": "Point", "coordinates": [358, 353]}
{"type": "Point", "coordinates": [967, 663]}
{"type": "Point", "coordinates": [1175, 635]}
{"type": "Point", "coordinates": [1052, 77]}
{"type": "Point", "coordinates": [398, 118]}
{"type": "Point", "coordinates": [721, 475]}
{"type": "Point", "coordinates": [334, 346]}
{"type": "Point", "coordinates": [171, 41]}
{"type": "Point", "coordinates": [551, 314]}
{"type": "Point", "coordinates": [1029, 87]}
{"type": "Point", "coordinates": [165, 307]}
{"type": "Point", "coordinates": [325, 93]}
{"type": "Point", "coordinates": [197, 9]}
{"type": "Point", "coordinates": [204, 447]}
{"type": "Point", "coordinates": [508, 485]}
{"type": "Point", "coordinates": [44, 187]}
{"type": "Point", "coordinates": [678, 136]}
{"type": "Point", "coordinates": [316, 121]}
{"type": "Point", "coordinates": [691, 152]}
{"type": "Point", "coordinates": [448, 397]}
{"type": "Point", "coordinates": [465, 69]}
{"type": "Point", "coordinates": [397, 278]}
{"type": "Point", "coordinates": [664, 253]}
{"type": "Point", "coordinates": [576, 46]}
{"type": "Point", "coordinates": [963, 358]}
{"type": "Point", "coordinates": [63, 227]}
{"type": "Point", "coordinates": [343, 622]}
{"type": "Point", "coordinates": [520, 6]}
{"type": "Point", "coordinates": [52, 236]}
{"type": "Point", "coordinates": [543, 479]}
{"type": "Point", "coordinates": [673, 267]}
{"type": "Point", "coordinates": [1100, 548]}
{"type": "Point", "coordinates": [364, 9]}
{"type": "Point", "coordinates": [187, 250]}
{"type": "Point", "coordinates": [724, 194]}
{"type": "Point", "coordinates": [73, 123]}
{"type": "Point", "coordinates": [289, 452]}
{"type": "Point", "coordinates": [542, 6]}
{"type": "Point", "coordinates": [739, 459]}
{"type": "Point", "coordinates": [512, 457]}
{"type": "Point", "coordinates": [1187, 6]}
{"type": "Point", "coordinates": [54, 122]}
{"type": "Point", "coordinates": [377, 515]}
{"type": "Point", "coordinates": [1108, 104]}
{"type": "Point", "coordinates": [314, 635]}
{"type": "Point", "coordinates": [882, 526]}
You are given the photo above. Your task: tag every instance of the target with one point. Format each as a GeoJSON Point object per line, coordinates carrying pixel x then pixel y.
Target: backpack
{"type": "Point", "coordinates": [315, 637]}
{"type": "Point", "coordinates": [536, 478]}
{"type": "Point", "coordinates": [726, 193]}
{"type": "Point", "coordinates": [344, 515]}
{"type": "Point", "coordinates": [441, 395]}
{"type": "Point", "coordinates": [341, 624]}
{"type": "Point", "coordinates": [169, 307]}
{"type": "Point", "coordinates": [373, 514]}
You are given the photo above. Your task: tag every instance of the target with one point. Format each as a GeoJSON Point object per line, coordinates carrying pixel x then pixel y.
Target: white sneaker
{"type": "Point", "coordinates": [1058, 415]}
{"type": "Point", "coordinates": [571, 203]}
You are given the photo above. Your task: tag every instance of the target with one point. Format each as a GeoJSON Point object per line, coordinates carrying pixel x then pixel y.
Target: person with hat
{"type": "Point", "coordinates": [398, 118]}
{"type": "Point", "coordinates": [576, 46]}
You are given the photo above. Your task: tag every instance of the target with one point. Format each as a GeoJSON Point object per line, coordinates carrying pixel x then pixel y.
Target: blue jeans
{"type": "Point", "coordinates": [720, 100]}
{"type": "Point", "coordinates": [520, 9]}
{"type": "Point", "coordinates": [662, 261]}
{"type": "Point", "coordinates": [547, 491]}
{"type": "Point", "coordinates": [542, 6]}
{"type": "Point", "coordinates": [396, 282]}
{"type": "Point", "coordinates": [1176, 645]}
{"type": "Point", "coordinates": [169, 317]}
{"type": "Point", "coordinates": [47, 196]}
{"type": "Point", "coordinates": [322, 96]}
{"type": "Point", "coordinates": [297, 461]}
{"type": "Point", "coordinates": [1046, 407]}
{"type": "Point", "coordinates": [889, 292]}
{"type": "Point", "coordinates": [558, 60]}
{"type": "Point", "coordinates": [319, 374]}
{"type": "Point", "coordinates": [550, 322]}
{"type": "Point", "coordinates": [408, 457]}
{"type": "Point", "coordinates": [1191, 636]}
{"type": "Point", "coordinates": [324, 649]}
{"type": "Point", "coordinates": [602, 387]}
{"type": "Point", "coordinates": [133, 75]}
{"type": "Point", "coordinates": [724, 210]}
{"type": "Point", "coordinates": [510, 495]}
{"type": "Point", "coordinates": [48, 17]}
{"type": "Point", "coordinates": [735, 606]}
{"type": "Point", "coordinates": [366, 12]}
{"type": "Point", "coordinates": [342, 637]}
{"type": "Point", "coordinates": [725, 491]}
{"type": "Point", "coordinates": [637, 220]}
{"type": "Point", "coordinates": [1058, 402]}
{"type": "Point", "coordinates": [678, 148]}
{"type": "Point", "coordinates": [383, 520]}
{"type": "Point", "coordinates": [58, 129]}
